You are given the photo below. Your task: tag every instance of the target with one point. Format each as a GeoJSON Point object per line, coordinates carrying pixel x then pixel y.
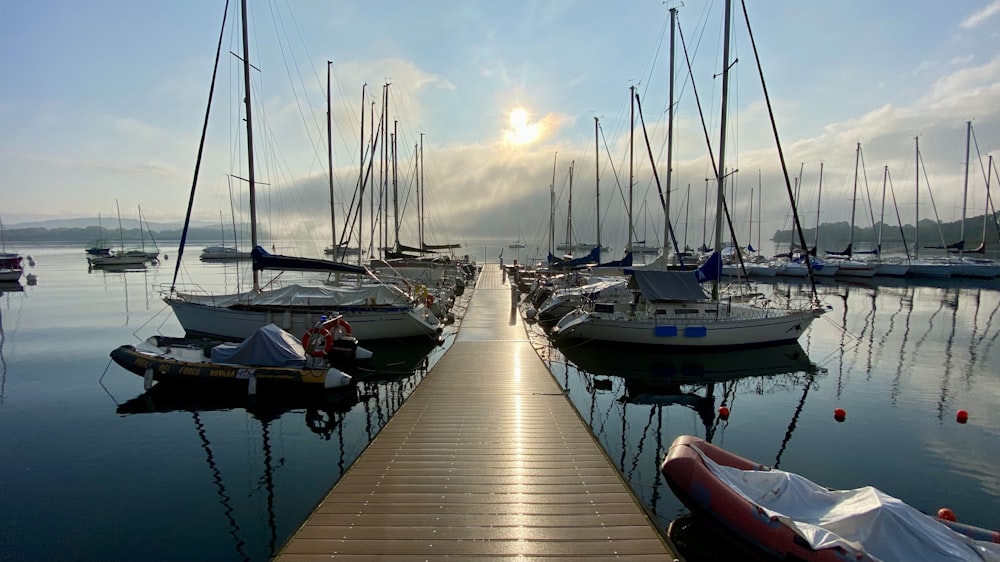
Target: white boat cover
{"type": "Point", "coordinates": [618, 286]}
{"type": "Point", "coordinates": [861, 520]}
{"type": "Point", "coordinates": [319, 296]}
{"type": "Point", "coordinates": [270, 346]}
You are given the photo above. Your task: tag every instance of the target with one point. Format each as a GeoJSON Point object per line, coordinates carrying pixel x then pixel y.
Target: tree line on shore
{"type": "Point", "coordinates": [835, 236]}
{"type": "Point", "coordinates": [111, 237]}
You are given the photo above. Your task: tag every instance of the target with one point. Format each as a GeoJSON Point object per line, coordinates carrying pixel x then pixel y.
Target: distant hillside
{"type": "Point", "coordinates": [88, 234]}
{"type": "Point", "coordinates": [835, 236]}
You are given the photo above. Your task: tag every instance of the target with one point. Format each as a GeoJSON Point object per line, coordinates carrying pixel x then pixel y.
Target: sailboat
{"type": "Point", "coordinates": [847, 266]}
{"type": "Point", "coordinates": [918, 266]}
{"type": "Point", "coordinates": [671, 309]}
{"type": "Point", "coordinates": [961, 265]}
{"type": "Point", "coordinates": [120, 258]}
{"type": "Point", "coordinates": [11, 266]}
{"type": "Point", "coordinates": [99, 246]}
{"type": "Point", "coordinates": [374, 309]}
{"type": "Point", "coordinates": [517, 243]}
{"type": "Point", "coordinates": [222, 252]}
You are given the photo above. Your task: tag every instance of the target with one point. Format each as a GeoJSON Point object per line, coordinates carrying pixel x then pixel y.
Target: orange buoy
{"type": "Point", "coordinates": [723, 413]}
{"type": "Point", "coordinates": [839, 414]}
{"type": "Point", "coordinates": [962, 416]}
{"type": "Point", "coordinates": [946, 514]}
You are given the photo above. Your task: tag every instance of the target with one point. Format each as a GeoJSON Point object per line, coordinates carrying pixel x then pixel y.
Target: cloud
{"type": "Point", "coordinates": [981, 16]}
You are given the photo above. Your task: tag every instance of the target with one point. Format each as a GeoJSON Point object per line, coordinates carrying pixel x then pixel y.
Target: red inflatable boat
{"type": "Point", "coordinates": [708, 480]}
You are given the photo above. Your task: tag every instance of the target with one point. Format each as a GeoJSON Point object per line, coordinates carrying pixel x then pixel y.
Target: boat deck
{"type": "Point", "coordinates": [486, 460]}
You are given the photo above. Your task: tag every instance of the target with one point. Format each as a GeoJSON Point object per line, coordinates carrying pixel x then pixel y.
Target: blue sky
{"type": "Point", "coordinates": [104, 101]}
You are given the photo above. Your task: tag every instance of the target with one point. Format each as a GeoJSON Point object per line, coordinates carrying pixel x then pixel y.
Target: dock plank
{"type": "Point", "coordinates": [486, 460]}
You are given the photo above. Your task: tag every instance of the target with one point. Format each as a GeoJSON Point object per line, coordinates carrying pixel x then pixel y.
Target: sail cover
{"type": "Point", "coordinates": [262, 259]}
{"type": "Point", "coordinates": [668, 285]}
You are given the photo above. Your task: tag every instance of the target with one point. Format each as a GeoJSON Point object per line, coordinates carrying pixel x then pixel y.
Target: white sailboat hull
{"type": "Point", "coordinates": [732, 325]}
{"type": "Point", "coordinates": [892, 269]}
{"type": "Point", "coordinates": [855, 268]}
{"type": "Point", "coordinates": [920, 268]}
{"type": "Point", "coordinates": [978, 269]}
{"type": "Point", "coordinates": [239, 323]}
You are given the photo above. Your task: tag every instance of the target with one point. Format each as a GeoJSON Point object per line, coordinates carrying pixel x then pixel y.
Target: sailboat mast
{"type": "Point", "coordinates": [361, 174]}
{"type": "Point", "coordinates": [416, 175]}
{"type": "Point", "coordinates": [121, 233]}
{"type": "Point", "coordinates": [329, 162]}
{"type": "Point", "coordinates": [819, 199]}
{"type": "Point", "coordinates": [249, 116]}
{"type": "Point", "coordinates": [569, 213]}
{"type": "Point", "coordinates": [881, 215]}
{"type": "Point", "coordinates": [552, 207]}
{"type": "Point", "coordinates": [597, 188]}
{"type": "Point", "coordinates": [631, 142]}
{"type": "Point", "coordinates": [421, 200]}
{"type": "Point", "coordinates": [395, 184]}
{"type": "Point", "coordinates": [916, 206]}
{"type": "Point", "coordinates": [854, 202]}
{"type": "Point", "coordinates": [720, 171]}
{"type": "Point", "coordinates": [670, 137]}
{"type": "Point", "coordinates": [965, 189]}
{"type": "Point", "coordinates": [142, 236]}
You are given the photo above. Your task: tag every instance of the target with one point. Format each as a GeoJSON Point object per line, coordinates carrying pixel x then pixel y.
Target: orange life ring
{"type": "Point", "coordinates": [340, 326]}
{"type": "Point", "coordinates": [429, 300]}
{"type": "Point", "coordinates": [313, 350]}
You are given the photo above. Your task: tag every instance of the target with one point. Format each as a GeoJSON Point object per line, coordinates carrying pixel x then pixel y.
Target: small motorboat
{"type": "Point", "coordinates": [787, 517]}
{"type": "Point", "coordinates": [269, 357]}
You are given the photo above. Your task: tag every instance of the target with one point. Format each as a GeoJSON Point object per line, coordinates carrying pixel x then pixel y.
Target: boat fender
{"type": "Point", "coordinates": [147, 379]}
{"type": "Point", "coordinates": [335, 378]}
{"type": "Point", "coordinates": [315, 350]}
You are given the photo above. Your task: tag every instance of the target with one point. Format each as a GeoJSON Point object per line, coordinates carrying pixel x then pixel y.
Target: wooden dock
{"type": "Point", "coordinates": [486, 460]}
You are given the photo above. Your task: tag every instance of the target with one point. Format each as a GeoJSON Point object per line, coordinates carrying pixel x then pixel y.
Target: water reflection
{"type": "Point", "coordinates": [345, 419]}
{"type": "Point", "coordinates": [901, 358]}
{"type": "Point", "coordinates": [5, 287]}
{"type": "Point", "coordinates": [626, 396]}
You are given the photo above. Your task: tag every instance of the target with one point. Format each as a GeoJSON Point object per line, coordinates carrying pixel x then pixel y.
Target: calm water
{"type": "Point", "coordinates": [900, 359]}
{"type": "Point", "coordinates": [94, 468]}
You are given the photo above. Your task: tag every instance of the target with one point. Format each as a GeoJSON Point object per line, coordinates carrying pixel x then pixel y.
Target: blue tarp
{"type": "Point", "coordinates": [270, 346]}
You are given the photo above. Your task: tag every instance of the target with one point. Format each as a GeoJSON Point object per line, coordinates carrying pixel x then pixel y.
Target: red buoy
{"type": "Point", "coordinates": [839, 414]}
{"type": "Point", "coordinates": [946, 514]}
{"type": "Point", "coordinates": [723, 413]}
{"type": "Point", "coordinates": [962, 416]}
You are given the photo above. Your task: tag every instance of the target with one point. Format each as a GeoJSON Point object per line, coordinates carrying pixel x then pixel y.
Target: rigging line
{"type": "Point", "coordinates": [614, 171]}
{"type": "Point", "coordinates": [220, 486]}
{"type": "Point", "coordinates": [899, 219]}
{"type": "Point", "coordinates": [987, 173]}
{"type": "Point", "coordinates": [201, 150]}
{"type": "Point", "coordinates": [930, 195]}
{"type": "Point", "coordinates": [795, 420]}
{"type": "Point", "coordinates": [781, 154]}
{"type": "Point", "coordinates": [282, 33]}
{"type": "Point", "coordinates": [642, 441]}
{"type": "Point", "coordinates": [864, 176]}
{"type": "Point", "coordinates": [656, 176]}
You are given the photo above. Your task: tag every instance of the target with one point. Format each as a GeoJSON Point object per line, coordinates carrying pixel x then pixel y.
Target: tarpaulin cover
{"type": "Point", "coordinates": [270, 346]}
{"type": "Point", "coordinates": [860, 520]}
{"type": "Point", "coordinates": [328, 296]}
{"type": "Point", "coordinates": [668, 285]}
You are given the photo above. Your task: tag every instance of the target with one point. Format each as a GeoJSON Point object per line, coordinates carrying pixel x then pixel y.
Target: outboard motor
{"type": "Point", "coordinates": [344, 350]}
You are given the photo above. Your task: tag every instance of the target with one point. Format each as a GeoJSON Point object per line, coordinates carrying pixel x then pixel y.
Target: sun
{"type": "Point", "coordinates": [522, 130]}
